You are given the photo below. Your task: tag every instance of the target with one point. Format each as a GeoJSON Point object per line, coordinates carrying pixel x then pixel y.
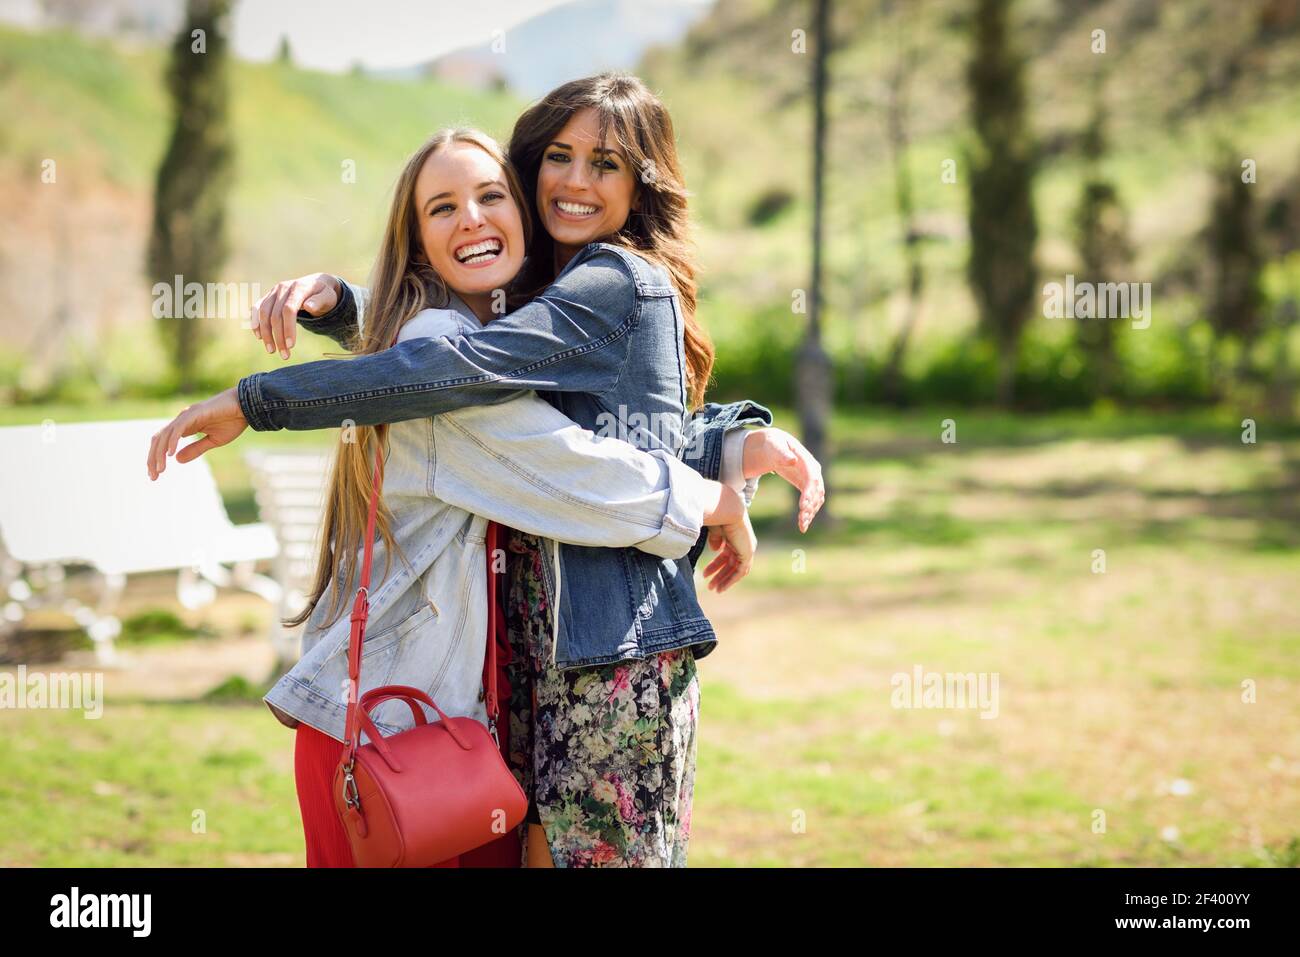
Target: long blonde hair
{"type": "Point", "coordinates": [402, 283]}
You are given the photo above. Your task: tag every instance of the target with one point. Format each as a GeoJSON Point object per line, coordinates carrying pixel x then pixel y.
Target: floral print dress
{"type": "Point", "coordinates": [606, 753]}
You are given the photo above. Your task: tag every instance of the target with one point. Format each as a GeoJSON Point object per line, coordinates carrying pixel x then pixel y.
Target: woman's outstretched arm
{"type": "Point", "coordinates": [571, 338]}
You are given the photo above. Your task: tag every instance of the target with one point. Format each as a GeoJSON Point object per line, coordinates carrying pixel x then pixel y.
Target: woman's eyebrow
{"type": "Point", "coordinates": [486, 182]}
{"type": "Point", "coordinates": [598, 149]}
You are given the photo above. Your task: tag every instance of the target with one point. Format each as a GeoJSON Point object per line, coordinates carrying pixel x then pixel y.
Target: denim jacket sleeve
{"type": "Point", "coordinates": [525, 464]}
{"type": "Point", "coordinates": [344, 322]}
{"type": "Point", "coordinates": [571, 338]}
{"type": "Point", "coordinates": [706, 432]}
{"type": "Point", "coordinates": [705, 437]}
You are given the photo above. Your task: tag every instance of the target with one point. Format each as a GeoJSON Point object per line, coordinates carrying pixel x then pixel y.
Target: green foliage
{"type": "Point", "coordinates": [158, 625]}
{"type": "Point", "coordinates": [236, 690]}
{"type": "Point", "coordinates": [1287, 855]}
{"type": "Point", "coordinates": [740, 106]}
{"type": "Point", "coordinates": [1166, 364]}
{"type": "Point", "coordinates": [769, 204]}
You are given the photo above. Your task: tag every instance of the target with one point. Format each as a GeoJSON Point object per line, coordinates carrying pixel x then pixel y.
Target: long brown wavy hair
{"type": "Point", "coordinates": [659, 230]}
{"type": "Point", "coordinates": [402, 283]}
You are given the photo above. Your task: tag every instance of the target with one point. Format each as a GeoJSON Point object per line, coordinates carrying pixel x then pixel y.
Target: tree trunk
{"type": "Point", "coordinates": [812, 365]}
{"type": "Point", "coordinates": [1007, 355]}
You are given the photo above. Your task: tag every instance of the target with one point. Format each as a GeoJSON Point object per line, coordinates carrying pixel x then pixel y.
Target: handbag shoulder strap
{"type": "Point", "coordinates": [361, 607]}
{"type": "Point", "coordinates": [494, 624]}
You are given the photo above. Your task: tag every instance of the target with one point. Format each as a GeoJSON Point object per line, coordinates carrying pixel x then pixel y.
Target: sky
{"type": "Point", "coordinates": [334, 34]}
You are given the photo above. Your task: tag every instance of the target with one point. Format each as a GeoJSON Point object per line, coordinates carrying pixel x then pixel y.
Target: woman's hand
{"type": "Point", "coordinates": [275, 317]}
{"type": "Point", "coordinates": [775, 450]}
{"type": "Point", "coordinates": [735, 545]}
{"type": "Point", "coordinates": [731, 536]}
{"type": "Point", "coordinates": [220, 418]}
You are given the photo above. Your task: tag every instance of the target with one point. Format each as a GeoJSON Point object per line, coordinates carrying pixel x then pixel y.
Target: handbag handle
{"type": "Point", "coordinates": [377, 696]}
{"type": "Point", "coordinates": [357, 718]}
{"type": "Point", "coordinates": [410, 695]}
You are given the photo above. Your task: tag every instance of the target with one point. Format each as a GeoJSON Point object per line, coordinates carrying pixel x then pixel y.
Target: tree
{"type": "Point", "coordinates": [188, 237]}
{"type": "Point", "coordinates": [1101, 233]}
{"type": "Point", "coordinates": [284, 54]}
{"type": "Point", "coordinates": [891, 384]}
{"type": "Point", "coordinates": [1236, 296]}
{"type": "Point", "coordinates": [1002, 162]}
{"type": "Point", "coordinates": [812, 365]}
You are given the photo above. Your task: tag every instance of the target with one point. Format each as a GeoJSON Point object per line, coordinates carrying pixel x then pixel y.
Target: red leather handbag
{"type": "Point", "coordinates": [436, 790]}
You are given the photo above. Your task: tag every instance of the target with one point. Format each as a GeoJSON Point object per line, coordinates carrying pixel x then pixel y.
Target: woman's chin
{"type": "Point", "coordinates": [570, 234]}
{"type": "Point", "coordinates": [476, 282]}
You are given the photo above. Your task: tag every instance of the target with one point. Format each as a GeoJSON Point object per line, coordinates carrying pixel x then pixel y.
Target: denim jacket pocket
{"type": "Point", "coordinates": [380, 653]}
{"type": "Point", "coordinates": [436, 653]}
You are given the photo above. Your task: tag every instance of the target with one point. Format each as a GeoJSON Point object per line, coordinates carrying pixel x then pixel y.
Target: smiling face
{"type": "Point", "coordinates": [584, 191]}
{"type": "Point", "coordinates": [470, 226]}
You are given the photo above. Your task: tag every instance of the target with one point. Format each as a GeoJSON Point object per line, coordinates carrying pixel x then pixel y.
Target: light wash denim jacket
{"type": "Point", "coordinates": [604, 345]}
{"type": "Point", "coordinates": [521, 463]}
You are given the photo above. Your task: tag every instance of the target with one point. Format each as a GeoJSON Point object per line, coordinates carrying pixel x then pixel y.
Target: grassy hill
{"type": "Point", "coordinates": [75, 248]}
{"type": "Point", "coordinates": [1180, 78]}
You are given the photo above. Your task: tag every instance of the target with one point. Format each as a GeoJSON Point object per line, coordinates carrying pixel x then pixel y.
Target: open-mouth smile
{"type": "Point", "coordinates": [479, 253]}
{"type": "Point", "coordinates": [571, 210]}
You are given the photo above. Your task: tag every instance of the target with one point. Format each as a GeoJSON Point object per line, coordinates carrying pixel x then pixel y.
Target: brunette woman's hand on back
{"type": "Point", "coordinates": [275, 317]}
{"type": "Point", "coordinates": [775, 450]}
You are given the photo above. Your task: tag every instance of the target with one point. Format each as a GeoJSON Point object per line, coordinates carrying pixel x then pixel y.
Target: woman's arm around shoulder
{"type": "Point", "coordinates": [319, 302]}
{"type": "Point", "coordinates": [525, 464]}
{"type": "Point", "coordinates": [573, 337]}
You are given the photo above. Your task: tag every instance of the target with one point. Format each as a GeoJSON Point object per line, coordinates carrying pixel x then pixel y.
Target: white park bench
{"type": "Point", "coordinates": [79, 494]}
{"type": "Point", "coordinates": [289, 487]}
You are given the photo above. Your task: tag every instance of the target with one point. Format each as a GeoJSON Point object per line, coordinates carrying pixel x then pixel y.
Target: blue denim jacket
{"type": "Point", "coordinates": [603, 344]}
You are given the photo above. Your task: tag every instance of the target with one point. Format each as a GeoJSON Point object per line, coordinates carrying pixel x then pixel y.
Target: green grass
{"type": "Point", "coordinates": [972, 558]}
{"type": "Point", "coordinates": [162, 784]}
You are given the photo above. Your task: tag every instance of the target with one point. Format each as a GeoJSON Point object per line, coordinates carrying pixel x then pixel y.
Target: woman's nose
{"type": "Point", "coordinates": [473, 217]}
{"type": "Point", "coordinates": [577, 176]}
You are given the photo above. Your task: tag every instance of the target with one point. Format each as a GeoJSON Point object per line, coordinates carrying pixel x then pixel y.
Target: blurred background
{"type": "Point", "coordinates": [1101, 511]}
